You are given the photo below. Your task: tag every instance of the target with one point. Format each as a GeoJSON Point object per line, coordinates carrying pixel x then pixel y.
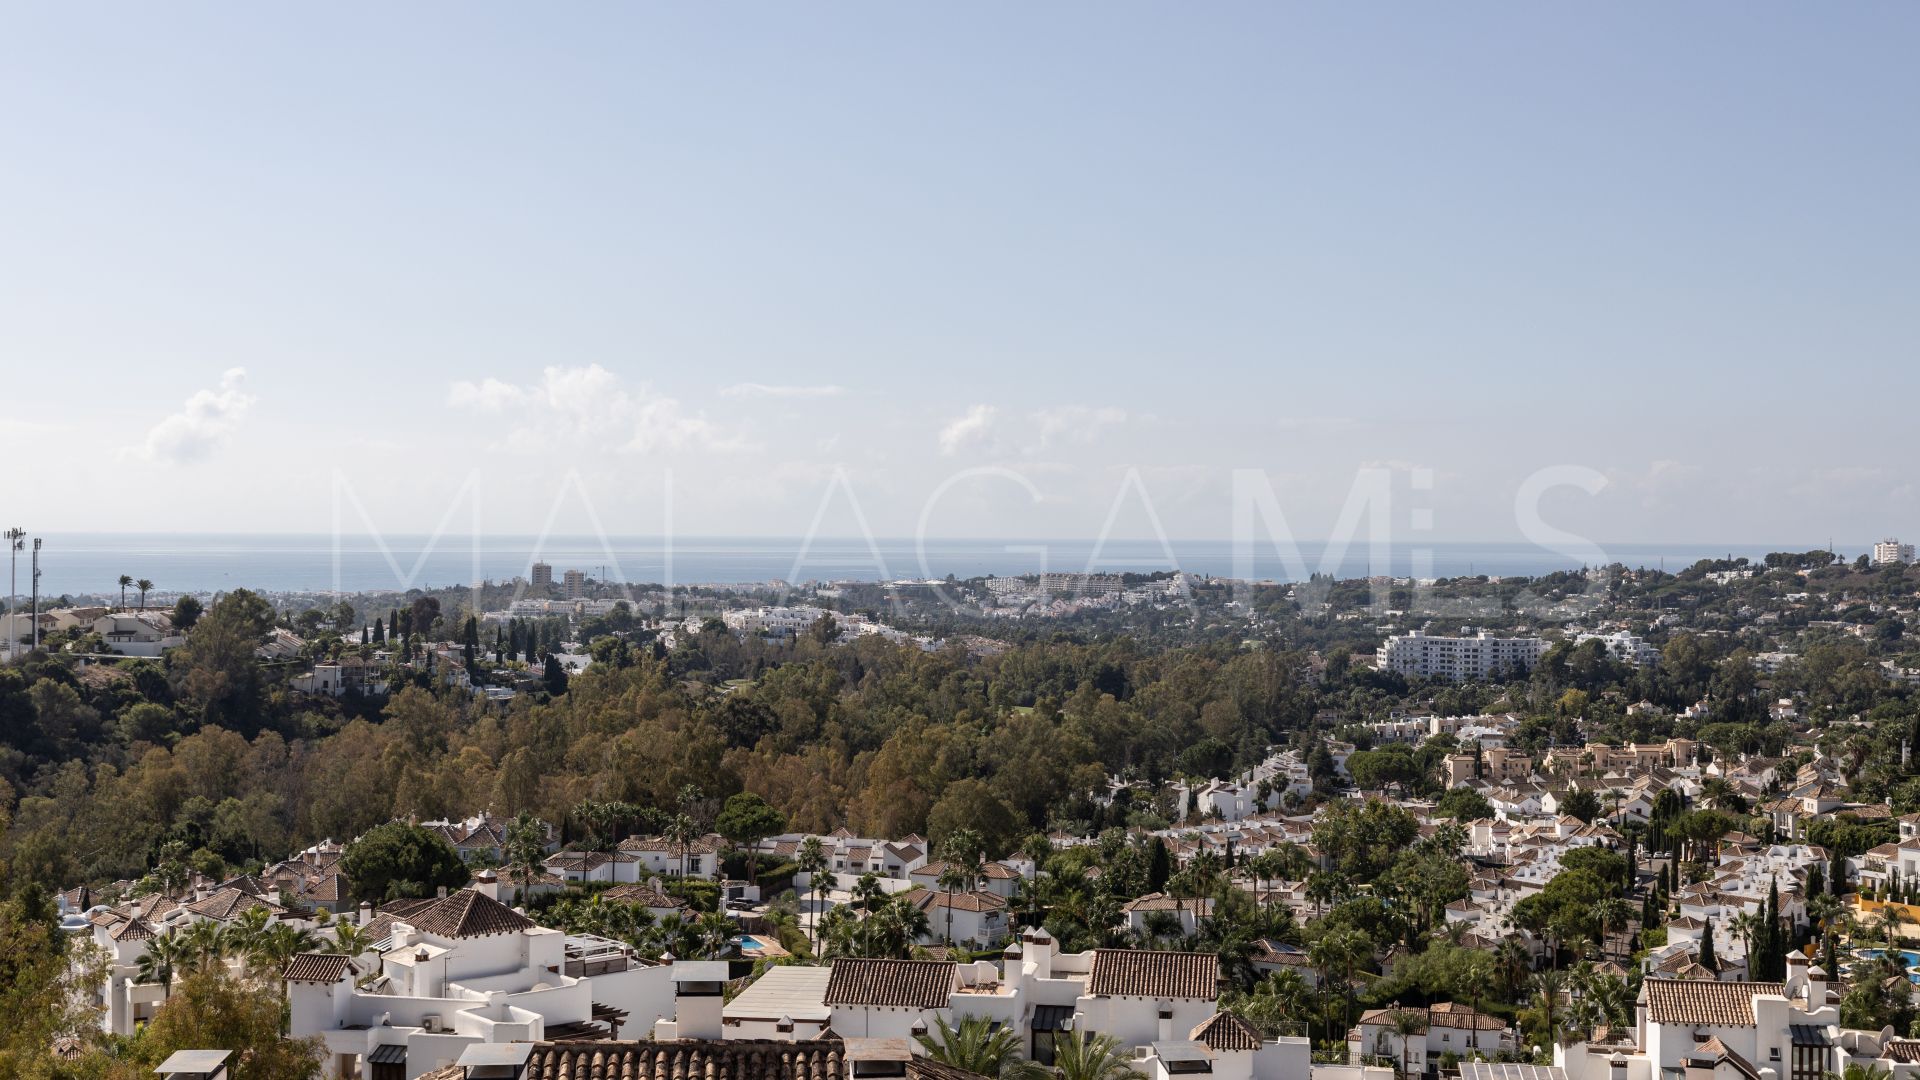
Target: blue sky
{"type": "Point", "coordinates": [759, 247]}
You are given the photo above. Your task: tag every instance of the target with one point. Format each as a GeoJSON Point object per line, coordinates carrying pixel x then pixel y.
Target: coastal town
{"type": "Point", "coordinates": [993, 541]}
{"type": "Point", "coordinates": [1680, 834]}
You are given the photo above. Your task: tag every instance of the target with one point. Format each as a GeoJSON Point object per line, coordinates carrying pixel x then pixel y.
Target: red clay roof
{"type": "Point", "coordinates": [913, 984]}
{"type": "Point", "coordinates": [1154, 974]}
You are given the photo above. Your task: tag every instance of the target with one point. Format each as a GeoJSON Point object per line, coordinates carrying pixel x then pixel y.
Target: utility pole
{"type": "Point", "coordinates": [36, 594]}
{"type": "Point", "coordinates": [15, 542]}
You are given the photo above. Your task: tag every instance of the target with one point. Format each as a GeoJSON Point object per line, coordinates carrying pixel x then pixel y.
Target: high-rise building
{"type": "Point", "coordinates": [542, 576]}
{"type": "Point", "coordinates": [1456, 658]}
{"type": "Point", "coordinates": [576, 583]}
{"type": "Point", "coordinates": [1890, 551]}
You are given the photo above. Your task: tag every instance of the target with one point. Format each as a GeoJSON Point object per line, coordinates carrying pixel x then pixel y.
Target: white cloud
{"type": "Point", "coordinates": [487, 395]}
{"type": "Point", "coordinates": [977, 424]}
{"type": "Point", "coordinates": [1076, 423]}
{"type": "Point", "coordinates": [202, 425]}
{"type": "Point", "coordinates": [1029, 433]}
{"type": "Point", "coordinates": [754, 389]}
{"type": "Point", "coordinates": [591, 407]}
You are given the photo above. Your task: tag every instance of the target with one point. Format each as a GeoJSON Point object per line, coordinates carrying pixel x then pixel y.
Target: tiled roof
{"type": "Point", "coordinates": [966, 901]}
{"type": "Point", "coordinates": [643, 895]}
{"type": "Point", "coordinates": [132, 930]}
{"type": "Point", "coordinates": [1225, 1031]}
{"type": "Point", "coordinates": [1719, 1004]}
{"type": "Point", "coordinates": [468, 914]}
{"type": "Point", "coordinates": [1449, 1014]}
{"type": "Point", "coordinates": [915, 984]}
{"type": "Point", "coordinates": [1715, 1049]}
{"type": "Point", "coordinates": [728, 1059]}
{"type": "Point", "coordinates": [1149, 973]}
{"type": "Point", "coordinates": [229, 902]}
{"type": "Point", "coordinates": [328, 889]}
{"type": "Point", "coordinates": [701, 846]}
{"type": "Point", "coordinates": [1904, 1051]}
{"type": "Point", "coordinates": [320, 968]}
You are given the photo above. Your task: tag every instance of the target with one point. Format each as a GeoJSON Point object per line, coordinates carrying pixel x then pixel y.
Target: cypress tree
{"type": "Point", "coordinates": [1837, 875]}
{"type": "Point", "coordinates": [1706, 948]}
{"type": "Point", "coordinates": [380, 631]}
{"type": "Point", "coordinates": [1159, 866]}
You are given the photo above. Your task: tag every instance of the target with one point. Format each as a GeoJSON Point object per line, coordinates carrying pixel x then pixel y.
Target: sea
{"type": "Point", "coordinates": [91, 564]}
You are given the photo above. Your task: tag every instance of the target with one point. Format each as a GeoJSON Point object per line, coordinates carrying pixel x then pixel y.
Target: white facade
{"type": "Point", "coordinates": [436, 993]}
{"type": "Point", "coordinates": [1418, 655]}
{"type": "Point", "coordinates": [1890, 551]}
{"type": "Point", "coordinates": [1624, 647]}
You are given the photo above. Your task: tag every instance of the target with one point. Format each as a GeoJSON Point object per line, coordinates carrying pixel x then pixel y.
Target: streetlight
{"type": "Point", "coordinates": [36, 595]}
{"type": "Point", "coordinates": [15, 541]}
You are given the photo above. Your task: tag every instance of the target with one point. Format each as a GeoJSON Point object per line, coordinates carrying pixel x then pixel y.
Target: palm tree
{"type": "Point", "coordinates": [125, 581]}
{"type": "Point", "coordinates": [164, 955]}
{"type": "Point", "coordinates": [952, 879]}
{"type": "Point", "coordinates": [209, 945]}
{"type": "Point", "coordinates": [684, 832]}
{"type": "Point", "coordinates": [1407, 1024]}
{"type": "Point", "coordinates": [981, 1048]}
{"type": "Point", "coordinates": [1547, 987]}
{"type": "Point", "coordinates": [716, 934]}
{"type": "Point", "coordinates": [1515, 962]}
{"type": "Point", "coordinates": [523, 845]}
{"type": "Point", "coordinates": [145, 587]}
{"type": "Point", "coordinates": [1743, 926]}
{"type": "Point", "coordinates": [900, 923]}
{"type": "Point", "coordinates": [1097, 1057]}
{"type": "Point", "coordinates": [1859, 1071]}
{"type": "Point", "coordinates": [812, 861]}
{"type": "Point", "coordinates": [350, 939]}
{"type": "Point", "coordinates": [1340, 951]}
{"type": "Point", "coordinates": [868, 893]}
{"type": "Point", "coordinates": [1475, 980]}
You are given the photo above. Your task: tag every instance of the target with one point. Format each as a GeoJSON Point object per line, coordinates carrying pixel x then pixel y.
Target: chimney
{"type": "Point", "coordinates": [440, 893]}
{"type": "Point", "coordinates": [1166, 1022]}
{"type": "Point", "coordinates": [366, 913]}
{"type": "Point", "coordinates": [1037, 945]}
{"type": "Point", "coordinates": [1816, 988]}
{"type": "Point", "coordinates": [1011, 963]}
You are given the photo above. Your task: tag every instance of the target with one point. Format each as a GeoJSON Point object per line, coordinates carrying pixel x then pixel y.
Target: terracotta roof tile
{"type": "Point", "coordinates": [1150, 973]}
{"type": "Point", "coordinates": [1225, 1031]}
{"type": "Point", "coordinates": [916, 984]}
{"type": "Point", "coordinates": [468, 914]}
{"type": "Point", "coordinates": [320, 968]}
{"type": "Point", "coordinates": [729, 1059]}
{"type": "Point", "coordinates": [1718, 1004]}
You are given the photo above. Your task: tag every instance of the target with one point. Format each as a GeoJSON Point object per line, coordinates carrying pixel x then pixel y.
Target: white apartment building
{"type": "Point", "coordinates": [1481, 655]}
{"type": "Point", "coordinates": [1890, 551]}
{"type": "Point", "coordinates": [465, 971]}
{"type": "Point", "coordinates": [778, 621]}
{"type": "Point", "coordinates": [1625, 647]}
